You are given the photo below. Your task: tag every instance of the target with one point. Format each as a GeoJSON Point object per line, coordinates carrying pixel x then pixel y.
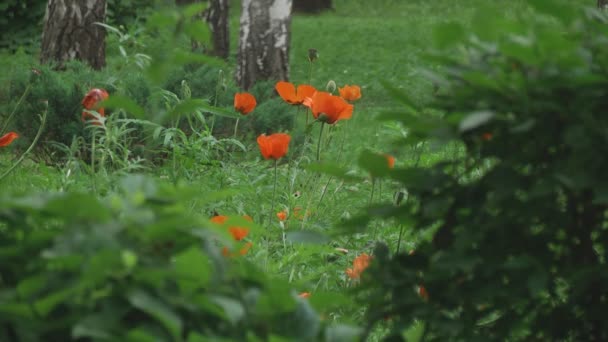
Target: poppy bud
{"type": "Point", "coordinates": [313, 54]}
{"type": "Point", "coordinates": [331, 86]}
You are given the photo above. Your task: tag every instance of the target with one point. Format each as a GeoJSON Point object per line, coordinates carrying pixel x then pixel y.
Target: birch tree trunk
{"type": "Point", "coordinates": [264, 41]}
{"type": "Point", "coordinates": [70, 32]}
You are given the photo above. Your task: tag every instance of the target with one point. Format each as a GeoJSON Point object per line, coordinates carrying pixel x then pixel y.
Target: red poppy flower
{"type": "Point", "coordinates": [282, 216]}
{"type": "Point", "coordinates": [350, 93]}
{"type": "Point", "coordinates": [304, 295]}
{"type": "Point", "coordinates": [487, 136]}
{"type": "Point", "coordinates": [329, 108]}
{"type": "Point", "coordinates": [90, 102]}
{"type": "Point", "coordinates": [274, 146]}
{"type": "Point", "coordinates": [390, 160]}
{"type": "Point", "coordinates": [359, 265]}
{"type": "Point", "coordinates": [244, 103]}
{"type": "Point", "coordinates": [8, 138]}
{"type": "Point", "coordinates": [287, 91]}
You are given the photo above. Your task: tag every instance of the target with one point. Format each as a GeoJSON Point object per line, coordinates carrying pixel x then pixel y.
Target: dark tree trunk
{"type": "Point", "coordinates": [311, 6]}
{"type": "Point", "coordinates": [70, 32]}
{"type": "Point", "coordinates": [602, 4]}
{"type": "Point", "coordinates": [264, 41]}
{"type": "Point", "coordinates": [216, 16]}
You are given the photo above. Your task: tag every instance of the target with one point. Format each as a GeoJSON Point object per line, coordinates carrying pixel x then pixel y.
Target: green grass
{"type": "Point", "coordinates": [363, 43]}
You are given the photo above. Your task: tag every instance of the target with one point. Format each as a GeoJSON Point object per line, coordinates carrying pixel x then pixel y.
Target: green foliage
{"type": "Point", "coordinates": [511, 230]}
{"type": "Point", "coordinates": [135, 265]}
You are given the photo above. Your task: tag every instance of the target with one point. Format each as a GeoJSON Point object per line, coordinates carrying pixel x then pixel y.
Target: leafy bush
{"type": "Point", "coordinates": [135, 266]}
{"type": "Point", "coordinates": [512, 231]}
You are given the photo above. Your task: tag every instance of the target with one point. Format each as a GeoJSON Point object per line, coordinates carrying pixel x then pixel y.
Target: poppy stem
{"type": "Point", "coordinates": [236, 127]}
{"type": "Point", "coordinates": [319, 142]}
{"type": "Point", "coordinates": [29, 149]}
{"type": "Point", "coordinates": [274, 192]}
{"type": "Point", "coordinates": [25, 93]}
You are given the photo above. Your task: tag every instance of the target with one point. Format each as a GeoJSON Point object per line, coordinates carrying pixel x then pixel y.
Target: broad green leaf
{"type": "Point", "coordinates": [96, 326]}
{"type": "Point", "coordinates": [415, 332]}
{"type": "Point", "coordinates": [233, 309]}
{"type": "Point", "coordinates": [158, 310]}
{"type": "Point", "coordinates": [28, 287]}
{"type": "Point", "coordinates": [333, 169]}
{"type": "Point", "coordinates": [559, 9]}
{"type": "Point", "coordinates": [193, 269]}
{"type": "Point", "coordinates": [45, 305]}
{"type": "Point", "coordinates": [198, 30]}
{"type": "Point", "coordinates": [342, 333]}
{"type": "Point", "coordinates": [194, 9]}
{"type": "Point", "coordinates": [192, 105]}
{"type": "Point", "coordinates": [376, 164]}
{"type": "Point", "coordinates": [123, 102]}
{"type": "Point", "coordinates": [448, 34]}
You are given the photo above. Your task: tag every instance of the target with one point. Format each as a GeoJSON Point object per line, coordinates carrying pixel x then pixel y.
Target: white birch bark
{"type": "Point", "coordinates": [264, 41]}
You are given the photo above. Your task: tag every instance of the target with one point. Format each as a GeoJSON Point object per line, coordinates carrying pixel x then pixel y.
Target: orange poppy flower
{"type": "Point", "coordinates": [244, 103]}
{"type": "Point", "coordinates": [329, 108]}
{"type": "Point", "coordinates": [390, 160]}
{"type": "Point", "coordinates": [304, 295]}
{"type": "Point", "coordinates": [287, 91]}
{"type": "Point", "coordinates": [274, 146]}
{"type": "Point", "coordinates": [350, 93]}
{"type": "Point", "coordinates": [90, 102]}
{"type": "Point", "coordinates": [238, 233]}
{"type": "Point", "coordinates": [359, 265]}
{"type": "Point", "coordinates": [282, 216]}
{"type": "Point", "coordinates": [219, 219]}
{"type": "Point", "coordinates": [8, 138]}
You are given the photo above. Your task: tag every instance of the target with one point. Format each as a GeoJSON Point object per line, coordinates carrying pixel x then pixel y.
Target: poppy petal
{"type": "Point", "coordinates": [8, 138]}
{"type": "Point", "coordinates": [287, 91]}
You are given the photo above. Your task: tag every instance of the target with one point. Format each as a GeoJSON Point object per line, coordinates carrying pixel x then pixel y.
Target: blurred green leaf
{"type": "Point", "coordinates": [307, 237]}
{"type": "Point", "coordinates": [415, 332]}
{"type": "Point", "coordinates": [126, 103]}
{"type": "Point", "coordinates": [475, 120]}
{"type": "Point", "coordinates": [342, 333]}
{"type": "Point", "coordinates": [233, 309]}
{"type": "Point", "coordinates": [448, 34]}
{"type": "Point", "coordinates": [376, 164]}
{"type": "Point", "coordinates": [155, 308]}
{"type": "Point", "coordinates": [193, 269]}
{"type": "Point", "coordinates": [559, 9]}
{"type": "Point", "coordinates": [333, 169]}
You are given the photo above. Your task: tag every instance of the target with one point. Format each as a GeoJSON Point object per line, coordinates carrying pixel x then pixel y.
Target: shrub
{"type": "Point", "coordinates": [512, 232]}
{"type": "Point", "coordinates": [136, 266]}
